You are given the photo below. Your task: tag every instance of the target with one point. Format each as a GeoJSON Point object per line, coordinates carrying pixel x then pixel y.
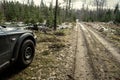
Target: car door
{"type": "Point", "coordinates": [4, 48]}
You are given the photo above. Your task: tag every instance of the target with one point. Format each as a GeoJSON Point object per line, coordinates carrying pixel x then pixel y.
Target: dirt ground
{"type": "Point", "coordinates": [88, 51]}
{"type": "Point", "coordinates": [101, 58]}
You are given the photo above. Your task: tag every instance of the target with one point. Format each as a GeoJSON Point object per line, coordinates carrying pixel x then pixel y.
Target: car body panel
{"type": "Point", "coordinates": [4, 47]}
{"type": "Point", "coordinates": [10, 42]}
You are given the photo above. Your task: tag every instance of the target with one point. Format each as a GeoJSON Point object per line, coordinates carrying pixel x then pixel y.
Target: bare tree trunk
{"type": "Point", "coordinates": [66, 13]}
{"type": "Point", "coordinates": [55, 18]}
{"type": "Point", "coordinates": [69, 4]}
{"type": "Point", "coordinates": [4, 7]}
{"type": "Point", "coordinates": [100, 6]}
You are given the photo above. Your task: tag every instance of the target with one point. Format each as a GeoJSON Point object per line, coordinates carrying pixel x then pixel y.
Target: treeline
{"type": "Point", "coordinates": [30, 13]}
{"type": "Point", "coordinates": [102, 15]}
{"type": "Point", "coordinates": [15, 11]}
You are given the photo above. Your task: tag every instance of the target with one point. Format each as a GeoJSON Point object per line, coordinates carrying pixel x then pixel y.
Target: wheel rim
{"type": "Point", "coordinates": [28, 53]}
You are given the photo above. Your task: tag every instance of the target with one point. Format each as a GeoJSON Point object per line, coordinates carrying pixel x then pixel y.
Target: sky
{"type": "Point", "coordinates": [77, 4]}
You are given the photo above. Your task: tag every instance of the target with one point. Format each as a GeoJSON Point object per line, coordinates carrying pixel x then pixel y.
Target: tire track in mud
{"type": "Point", "coordinates": [94, 58]}
{"type": "Point", "coordinates": [82, 67]}
{"type": "Point", "coordinates": [95, 76]}
{"type": "Point", "coordinates": [103, 64]}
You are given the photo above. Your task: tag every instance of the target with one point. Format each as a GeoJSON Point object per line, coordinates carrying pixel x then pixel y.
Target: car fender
{"type": "Point", "coordinates": [19, 42]}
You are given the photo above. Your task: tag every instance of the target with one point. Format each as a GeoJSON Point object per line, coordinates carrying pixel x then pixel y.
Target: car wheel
{"type": "Point", "coordinates": [26, 53]}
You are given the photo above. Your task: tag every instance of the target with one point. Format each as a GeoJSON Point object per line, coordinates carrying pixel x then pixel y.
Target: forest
{"type": "Point", "coordinates": [30, 13]}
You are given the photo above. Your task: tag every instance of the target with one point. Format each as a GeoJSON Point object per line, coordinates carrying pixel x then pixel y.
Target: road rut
{"type": "Point", "coordinates": [96, 59]}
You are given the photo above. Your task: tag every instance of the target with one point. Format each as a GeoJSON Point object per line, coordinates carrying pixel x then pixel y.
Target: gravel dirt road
{"type": "Point", "coordinates": [96, 58]}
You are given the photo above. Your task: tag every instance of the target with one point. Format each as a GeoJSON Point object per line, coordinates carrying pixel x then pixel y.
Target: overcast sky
{"type": "Point", "coordinates": [77, 3]}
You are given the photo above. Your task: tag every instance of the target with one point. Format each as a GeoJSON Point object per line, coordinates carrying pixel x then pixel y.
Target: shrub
{"type": "Point", "coordinates": [48, 39]}
{"type": "Point", "coordinates": [60, 33]}
{"type": "Point", "coordinates": [57, 46]}
{"type": "Point", "coordinates": [46, 52]}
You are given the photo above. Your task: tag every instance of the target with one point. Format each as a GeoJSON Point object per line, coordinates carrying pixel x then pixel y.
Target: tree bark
{"type": "Point", "coordinates": [55, 16]}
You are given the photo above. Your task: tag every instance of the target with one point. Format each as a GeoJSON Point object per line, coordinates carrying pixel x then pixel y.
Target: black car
{"type": "Point", "coordinates": [16, 45]}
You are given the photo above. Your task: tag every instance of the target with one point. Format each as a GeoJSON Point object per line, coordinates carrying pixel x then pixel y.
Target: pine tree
{"type": "Point", "coordinates": [117, 14]}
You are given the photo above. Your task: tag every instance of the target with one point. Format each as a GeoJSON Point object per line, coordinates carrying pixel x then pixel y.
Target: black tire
{"type": "Point", "coordinates": [26, 53]}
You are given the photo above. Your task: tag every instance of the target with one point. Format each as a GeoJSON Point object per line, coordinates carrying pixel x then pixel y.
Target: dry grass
{"type": "Point", "coordinates": [46, 38]}
{"type": "Point", "coordinates": [59, 33]}
{"type": "Point", "coordinates": [57, 46]}
{"type": "Point", "coordinates": [45, 62]}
